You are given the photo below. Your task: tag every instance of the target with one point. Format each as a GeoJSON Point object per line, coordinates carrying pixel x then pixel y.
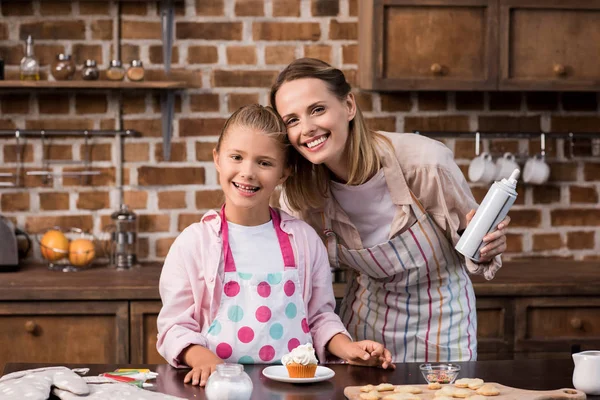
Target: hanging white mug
{"type": "Point", "coordinates": [482, 169]}
{"type": "Point", "coordinates": [536, 170]}
{"type": "Point", "coordinates": [506, 165]}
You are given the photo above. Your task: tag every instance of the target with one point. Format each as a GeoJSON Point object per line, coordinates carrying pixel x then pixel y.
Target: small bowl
{"type": "Point", "coordinates": [440, 372]}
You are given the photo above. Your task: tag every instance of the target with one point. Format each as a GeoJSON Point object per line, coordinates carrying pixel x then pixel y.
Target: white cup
{"type": "Point", "coordinates": [536, 170]}
{"type": "Point", "coordinates": [505, 166]}
{"type": "Point", "coordinates": [482, 169]}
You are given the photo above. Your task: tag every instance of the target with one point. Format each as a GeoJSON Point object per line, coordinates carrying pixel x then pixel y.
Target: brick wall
{"type": "Point", "coordinates": [233, 50]}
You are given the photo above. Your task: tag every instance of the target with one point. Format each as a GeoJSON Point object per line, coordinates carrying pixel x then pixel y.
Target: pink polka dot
{"type": "Point", "coordinates": [245, 334]}
{"type": "Point", "coordinates": [263, 314]}
{"type": "Point", "coordinates": [266, 353]}
{"type": "Point", "coordinates": [305, 327]}
{"type": "Point", "coordinates": [289, 288]}
{"type": "Point", "coordinates": [224, 351]}
{"type": "Point", "coordinates": [231, 289]}
{"type": "Point", "coordinates": [293, 343]}
{"type": "Point", "coordinates": [264, 289]}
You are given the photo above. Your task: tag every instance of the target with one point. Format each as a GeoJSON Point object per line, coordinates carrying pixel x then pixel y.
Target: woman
{"type": "Point", "coordinates": [390, 208]}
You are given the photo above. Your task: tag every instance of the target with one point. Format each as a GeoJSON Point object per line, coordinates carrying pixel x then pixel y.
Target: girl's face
{"type": "Point", "coordinates": [251, 165]}
{"type": "Point", "coordinates": [317, 121]}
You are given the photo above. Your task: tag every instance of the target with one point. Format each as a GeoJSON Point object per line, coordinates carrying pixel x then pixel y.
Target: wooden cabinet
{"type": "Point", "coordinates": [144, 331]}
{"type": "Point", "coordinates": [411, 44]}
{"type": "Point", "coordinates": [479, 45]}
{"type": "Point", "coordinates": [64, 332]}
{"type": "Point", "coordinates": [549, 45]}
{"type": "Point", "coordinates": [536, 309]}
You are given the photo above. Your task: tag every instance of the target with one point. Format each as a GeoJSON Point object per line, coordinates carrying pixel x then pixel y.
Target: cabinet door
{"type": "Point", "coordinates": [495, 328]}
{"type": "Point", "coordinates": [550, 45]}
{"type": "Point", "coordinates": [64, 332]}
{"type": "Point", "coordinates": [143, 332]}
{"type": "Point", "coordinates": [557, 324]}
{"type": "Point", "coordinates": [428, 44]}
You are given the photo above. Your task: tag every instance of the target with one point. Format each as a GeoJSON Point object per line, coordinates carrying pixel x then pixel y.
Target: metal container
{"type": "Point", "coordinates": [124, 238]}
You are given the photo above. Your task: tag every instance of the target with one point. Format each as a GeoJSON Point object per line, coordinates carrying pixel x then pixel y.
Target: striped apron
{"type": "Point", "coordinates": [411, 293]}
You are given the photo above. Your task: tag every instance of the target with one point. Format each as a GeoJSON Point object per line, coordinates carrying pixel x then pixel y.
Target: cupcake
{"type": "Point", "coordinates": [301, 362]}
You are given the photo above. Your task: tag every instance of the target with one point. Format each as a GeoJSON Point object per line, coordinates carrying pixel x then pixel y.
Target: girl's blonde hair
{"type": "Point", "coordinates": [260, 118]}
{"type": "Point", "coordinates": [308, 184]}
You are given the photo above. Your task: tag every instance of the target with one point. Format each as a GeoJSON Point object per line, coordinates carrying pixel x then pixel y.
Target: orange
{"type": "Point", "coordinates": [54, 245]}
{"type": "Point", "coordinates": [81, 252]}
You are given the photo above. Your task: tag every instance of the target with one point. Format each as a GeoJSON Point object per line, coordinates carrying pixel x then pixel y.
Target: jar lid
{"type": "Point", "coordinates": [63, 57]}
{"type": "Point", "coordinates": [137, 63]}
{"type": "Point", "coordinates": [123, 214]}
{"type": "Point", "coordinates": [90, 63]}
{"type": "Point", "coordinates": [116, 63]}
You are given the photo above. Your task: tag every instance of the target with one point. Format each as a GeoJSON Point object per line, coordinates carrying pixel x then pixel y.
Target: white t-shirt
{"type": "Point", "coordinates": [255, 248]}
{"type": "Point", "coordinates": [373, 223]}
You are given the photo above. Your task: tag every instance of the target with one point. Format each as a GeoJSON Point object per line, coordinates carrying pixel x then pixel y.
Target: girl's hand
{"type": "Point", "coordinates": [369, 353]}
{"type": "Point", "coordinates": [495, 242]}
{"type": "Point", "coordinates": [203, 363]}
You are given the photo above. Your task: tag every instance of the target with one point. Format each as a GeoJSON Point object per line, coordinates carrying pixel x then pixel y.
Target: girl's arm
{"type": "Point", "coordinates": [177, 327]}
{"type": "Point", "coordinates": [365, 352]}
{"type": "Point", "coordinates": [203, 363]}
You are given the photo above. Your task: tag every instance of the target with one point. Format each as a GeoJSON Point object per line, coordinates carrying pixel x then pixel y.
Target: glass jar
{"type": "Point", "coordinates": [136, 71]}
{"type": "Point", "coordinates": [90, 71]}
{"type": "Point", "coordinates": [115, 71]}
{"type": "Point", "coordinates": [123, 252]}
{"type": "Point", "coordinates": [229, 382]}
{"type": "Point", "coordinates": [63, 68]}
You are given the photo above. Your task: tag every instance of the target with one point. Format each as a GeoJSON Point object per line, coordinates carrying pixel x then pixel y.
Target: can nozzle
{"type": "Point", "coordinates": [512, 179]}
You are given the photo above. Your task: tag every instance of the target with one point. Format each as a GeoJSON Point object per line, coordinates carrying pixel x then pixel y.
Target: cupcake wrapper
{"type": "Point", "coordinates": [301, 371]}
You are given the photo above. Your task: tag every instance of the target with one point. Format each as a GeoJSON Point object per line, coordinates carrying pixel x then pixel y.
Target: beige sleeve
{"type": "Point", "coordinates": [445, 194]}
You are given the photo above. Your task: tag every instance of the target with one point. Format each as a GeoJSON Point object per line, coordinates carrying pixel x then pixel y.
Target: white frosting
{"type": "Point", "coordinates": [303, 354]}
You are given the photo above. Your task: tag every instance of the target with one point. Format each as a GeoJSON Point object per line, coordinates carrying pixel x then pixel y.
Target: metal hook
{"type": "Point", "coordinates": [543, 145]}
{"type": "Point", "coordinates": [571, 145]}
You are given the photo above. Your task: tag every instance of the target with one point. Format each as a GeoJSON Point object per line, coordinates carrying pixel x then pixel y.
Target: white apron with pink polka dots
{"type": "Point", "coordinates": [261, 316]}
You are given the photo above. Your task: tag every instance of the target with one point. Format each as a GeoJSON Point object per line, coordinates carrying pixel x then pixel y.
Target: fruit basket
{"type": "Point", "coordinates": [67, 249]}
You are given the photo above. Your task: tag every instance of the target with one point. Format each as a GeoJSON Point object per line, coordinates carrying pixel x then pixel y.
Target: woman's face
{"type": "Point", "coordinates": [317, 121]}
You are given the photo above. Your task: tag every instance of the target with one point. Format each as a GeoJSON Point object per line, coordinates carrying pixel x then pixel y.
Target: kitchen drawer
{"type": "Point", "coordinates": [144, 331]}
{"type": "Point", "coordinates": [557, 324]}
{"type": "Point", "coordinates": [495, 327]}
{"type": "Point", "coordinates": [64, 332]}
{"type": "Point", "coordinates": [549, 45]}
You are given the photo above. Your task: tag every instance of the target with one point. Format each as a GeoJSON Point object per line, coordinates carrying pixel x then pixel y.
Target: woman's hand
{"type": "Point", "coordinates": [203, 363]}
{"type": "Point", "coordinates": [495, 242]}
{"type": "Point", "coordinates": [369, 353]}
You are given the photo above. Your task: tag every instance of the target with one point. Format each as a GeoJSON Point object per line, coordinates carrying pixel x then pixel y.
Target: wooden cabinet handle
{"type": "Point", "coordinates": [576, 323]}
{"type": "Point", "coordinates": [30, 327]}
{"type": "Point", "coordinates": [437, 69]}
{"type": "Point", "coordinates": [560, 70]}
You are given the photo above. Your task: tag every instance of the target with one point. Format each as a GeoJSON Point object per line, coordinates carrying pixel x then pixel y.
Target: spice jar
{"type": "Point", "coordinates": [63, 68]}
{"type": "Point", "coordinates": [115, 72]}
{"type": "Point", "coordinates": [90, 71]}
{"type": "Point", "coordinates": [136, 71]}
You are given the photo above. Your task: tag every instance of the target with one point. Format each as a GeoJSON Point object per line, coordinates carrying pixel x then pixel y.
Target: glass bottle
{"type": "Point", "coordinates": [136, 71]}
{"type": "Point", "coordinates": [229, 382]}
{"type": "Point", "coordinates": [30, 67]}
{"type": "Point", "coordinates": [63, 68]}
{"type": "Point", "coordinates": [115, 71]}
{"type": "Point", "coordinates": [90, 71]}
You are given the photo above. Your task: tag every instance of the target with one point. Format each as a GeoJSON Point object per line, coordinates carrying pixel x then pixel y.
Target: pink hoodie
{"type": "Point", "coordinates": [191, 286]}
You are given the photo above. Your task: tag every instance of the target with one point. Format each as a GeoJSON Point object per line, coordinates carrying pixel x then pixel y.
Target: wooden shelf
{"type": "Point", "coordinates": [100, 84]}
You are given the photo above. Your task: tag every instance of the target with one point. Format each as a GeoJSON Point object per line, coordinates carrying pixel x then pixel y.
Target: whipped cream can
{"type": "Point", "coordinates": [490, 213]}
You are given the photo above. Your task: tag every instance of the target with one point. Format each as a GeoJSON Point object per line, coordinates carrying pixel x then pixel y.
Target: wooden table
{"type": "Point", "coordinates": [525, 374]}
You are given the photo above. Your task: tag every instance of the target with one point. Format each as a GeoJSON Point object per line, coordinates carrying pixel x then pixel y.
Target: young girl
{"type": "Point", "coordinates": [390, 207]}
{"type": "Point", "coordinates": [249, 283]}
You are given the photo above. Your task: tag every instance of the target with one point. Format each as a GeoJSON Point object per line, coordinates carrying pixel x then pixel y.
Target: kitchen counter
{"type": "Point", "coordinates": [525, 374]}
{"type": "Point", "coordinates": [544, 277]}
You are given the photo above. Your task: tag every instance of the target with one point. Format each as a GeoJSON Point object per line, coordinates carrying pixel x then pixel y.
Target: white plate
{"type": "Point", "coordinates": [280, 373]}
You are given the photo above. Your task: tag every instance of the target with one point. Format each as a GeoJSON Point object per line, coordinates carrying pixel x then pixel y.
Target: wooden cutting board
{"type": "Point", "coordinates": [506, 393]}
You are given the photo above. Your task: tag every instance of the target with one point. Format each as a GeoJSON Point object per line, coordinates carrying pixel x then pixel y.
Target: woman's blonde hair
{"type": "Point", "coordinates": [308, 184]}
{"type": "Point", "coordinates": [260, 118]}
